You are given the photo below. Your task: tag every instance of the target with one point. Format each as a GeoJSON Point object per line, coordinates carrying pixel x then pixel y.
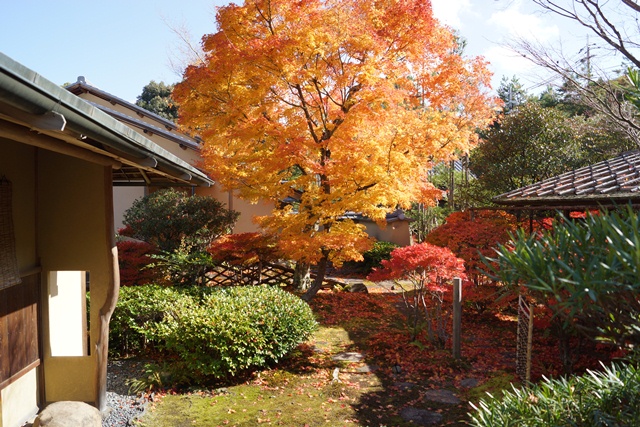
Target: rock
{"type": "Point", "coordinates": [357, 287]}
{"type": "Point", "coordinates": [469, 383]}
{"type": "Point", "coordinates": [420, 417]}
{"type": "Point", "coordinates": [69, 414]}
{"type": "Point", "coordinates": [348, 356]}
{"type": "Point", "coordinates": [403, 385]}
{"type": "Point", "coordinates": [441, 396]}
{"type": "Point", "coordinates": [366, 369]}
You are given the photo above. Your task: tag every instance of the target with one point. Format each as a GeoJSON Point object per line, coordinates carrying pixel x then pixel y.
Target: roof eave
{"type": "Point", "coordinates": [32, 93]}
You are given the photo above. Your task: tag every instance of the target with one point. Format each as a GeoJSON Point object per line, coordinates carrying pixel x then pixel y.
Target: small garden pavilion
{"type": "Point", "coordinates": [606, 184]}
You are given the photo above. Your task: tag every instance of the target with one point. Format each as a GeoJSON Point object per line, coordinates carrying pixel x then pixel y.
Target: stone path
{"type": "Point", "coordinates": [417, 416]}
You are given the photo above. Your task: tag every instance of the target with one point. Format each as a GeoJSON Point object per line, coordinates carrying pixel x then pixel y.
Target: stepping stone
{"type": "Point", "coordinates": [348, 356]}
{"type": "Point", "coordinates": [69, 414]}
{"type": "Point", "coordinates": [404, 385]}
{"type": "Point", "coordinates": [441, 396]}
{"type": "Point", "coordinates": [366, 369]}
{"type": "Point", "coordinates": [469, 383]}
{"type": "Point", "coordinates": [420, 417]}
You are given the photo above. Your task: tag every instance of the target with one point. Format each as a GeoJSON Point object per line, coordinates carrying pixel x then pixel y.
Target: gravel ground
{"type": "Point", "coordinates": [122, 406]}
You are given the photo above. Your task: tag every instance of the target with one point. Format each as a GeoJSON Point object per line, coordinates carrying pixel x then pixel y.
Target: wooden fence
{"type": "Point", "coordinates": [258, 274]}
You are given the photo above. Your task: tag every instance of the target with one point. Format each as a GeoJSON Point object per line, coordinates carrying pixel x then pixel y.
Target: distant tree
{"type": "Point", "coordinates": [549, 97]}
{"type": "Point", "coordinates": [156, 97]}
{"type": "Point", "coordinates": [528, 145]}
{"type": "Point", "coordinates": [512, 93]}
{"type": "Point", "coordinates": [534, 143]}
{"type": "Point", "coordinates": [615, 25]}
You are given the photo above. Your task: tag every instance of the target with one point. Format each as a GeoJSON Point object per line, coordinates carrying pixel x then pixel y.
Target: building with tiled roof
{"type": "Point", "coordinates": [613, 181]}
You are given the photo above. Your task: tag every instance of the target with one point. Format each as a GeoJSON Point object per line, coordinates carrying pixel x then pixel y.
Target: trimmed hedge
{"type": "Point", "coordinates": [213, 332]}
{"type": "Point", "coordinates": [138, 309]}
{"type": "Point", "coordinates": [607, 398]}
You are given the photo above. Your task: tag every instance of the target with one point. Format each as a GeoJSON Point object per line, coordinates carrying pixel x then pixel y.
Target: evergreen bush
{"type": "Point", "coordinates": [213, 333]}
{"type": "Point", "coordinates": [607, 398]}
{"type": "Point", "coordinates": [138, 308]}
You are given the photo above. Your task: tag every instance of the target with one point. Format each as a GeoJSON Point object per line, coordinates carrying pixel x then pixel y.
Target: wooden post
{"type": "Point", "coordinates": [457, 316]}
{"type": "Point", "coordinates": [529, 344]}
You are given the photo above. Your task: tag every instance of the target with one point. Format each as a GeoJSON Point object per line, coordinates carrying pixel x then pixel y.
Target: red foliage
{"type": "Point", "coordinates": [244, 248]}
{"type": "Point", "coordinates": [470, 239]}
{"type": "Point", "coordinates": [133, 257]}
{"type": "Point", "coordinates": [488, 341]}
{"type": "Point", "coordinates": [126, 231]}
{"type": "Point", "coordinates": [423, 264]}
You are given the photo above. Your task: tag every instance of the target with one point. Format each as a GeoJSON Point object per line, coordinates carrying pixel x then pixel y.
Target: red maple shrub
{"type": "Point", "coordinates": [134, 259]}
{"type": "Point", "coordinates": [243, 248]}
{"type": "Point", "coordinates": [471, 237]}
{"type": "Point", "coordinates": [428, 269]}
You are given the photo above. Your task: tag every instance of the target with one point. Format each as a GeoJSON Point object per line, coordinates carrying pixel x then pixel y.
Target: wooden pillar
{"type": "Point", "coordinates": [102, 341]}
{"type": "Point", "coordinates": [457, 316]}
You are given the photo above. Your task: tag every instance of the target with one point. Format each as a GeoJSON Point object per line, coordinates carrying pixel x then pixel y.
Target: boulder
{"type": "Point", "coordinates": [69, 414]}
{"type": "Point", "coordinates": [357, 287]}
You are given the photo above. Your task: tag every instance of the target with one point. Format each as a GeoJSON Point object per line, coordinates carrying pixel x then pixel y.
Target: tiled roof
{"type": "Point", "coordinates": [614, 180]}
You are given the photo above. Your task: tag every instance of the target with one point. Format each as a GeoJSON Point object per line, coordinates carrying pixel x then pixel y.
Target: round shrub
{"type": "Point", "coordinates": [212, 332]}
{"type": "Point", "coordinates": [224, 331]}
{"type": "Point", "coordinates": [139, 308]}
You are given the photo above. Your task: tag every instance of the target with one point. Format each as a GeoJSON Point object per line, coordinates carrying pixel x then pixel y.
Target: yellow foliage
{"type": "Point", "coordinates": [348, 101]}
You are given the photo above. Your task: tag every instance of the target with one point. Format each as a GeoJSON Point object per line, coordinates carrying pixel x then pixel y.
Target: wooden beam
{"type": "Point", "coordinates": [21, 134]}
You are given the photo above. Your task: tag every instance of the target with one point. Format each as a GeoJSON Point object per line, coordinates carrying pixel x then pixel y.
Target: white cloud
{"type": "Point", "coordinates": [513, 22]}
{"type": "Point", "coordinates": [448, 11]}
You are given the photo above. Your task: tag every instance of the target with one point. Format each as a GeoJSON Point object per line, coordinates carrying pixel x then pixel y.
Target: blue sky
{"type": "Point", "coordinates": [119, 46]}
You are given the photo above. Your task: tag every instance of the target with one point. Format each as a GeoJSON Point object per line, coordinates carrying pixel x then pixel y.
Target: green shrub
{"type": "Point", "coordinates": [607, 398]}
{"type": "Point", "coordinates": [184, 266]}
{"type": "Point", "coordinates": [137, 309]}
{"type": "Point", "coordinates": [586, 271]}
{"type": "Point", "coordinates": [372, 258]}
{"type": "Point", "coordinates": [215, 332]}
{"type": "Point", "coordinates": [165, 218]}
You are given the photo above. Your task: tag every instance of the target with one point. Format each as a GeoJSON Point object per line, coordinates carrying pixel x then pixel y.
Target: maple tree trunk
{"type": "Point", "coordinates": [301, 276]}
{"type": "Point", "coordinates": [317, 283]}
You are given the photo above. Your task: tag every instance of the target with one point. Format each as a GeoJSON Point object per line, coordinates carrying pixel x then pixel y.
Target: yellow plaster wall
{"type": "Point", "coordinates": [123, 198]}
{"type": "Point", "coordinates": [395, 232]}
{"type": "Point", "coordinates": [247, 210]}
{"type": "Point", "coordinates": [72, 236]}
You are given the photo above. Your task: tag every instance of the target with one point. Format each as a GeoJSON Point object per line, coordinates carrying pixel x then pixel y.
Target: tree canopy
{"type": "Point", "coordinates": [156, 97]}
{"type": "Point", "coordinates": [348, 102]}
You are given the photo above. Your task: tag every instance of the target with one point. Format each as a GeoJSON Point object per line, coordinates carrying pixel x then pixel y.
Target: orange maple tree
{"type": "Point", "coordinates": [347, 102]}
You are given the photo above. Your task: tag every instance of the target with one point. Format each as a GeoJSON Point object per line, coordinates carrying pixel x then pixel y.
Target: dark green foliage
{"type": "Point", "coordinates": [533, 143]}
{"type": "Point", "coordinates": [372, 258]}
{"type": "Point", "coordinates": [425, 220]}
{"type": "Point", "coordinates": [213, 333]}
{"type": "Point", "coordinates": [587, 271]}
{"type": "Point", "coordinates": [166, 218]}
{"type": "Point", "coordinates": [608, 398]}
{"type": "Point", "coordinates": [184, 266]}
{"type": "Point", "coordinates": [156, 97]}
{"type": "Point", "coordinates": [530, 144]}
